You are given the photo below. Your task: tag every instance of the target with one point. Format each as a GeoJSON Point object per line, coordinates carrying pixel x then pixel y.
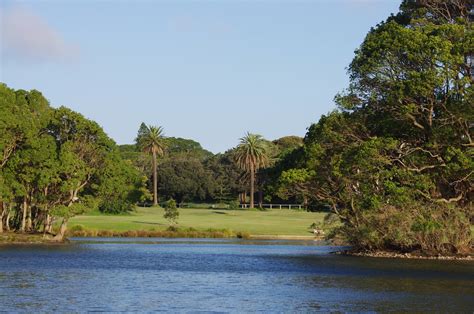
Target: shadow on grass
{"type": "Point", "coordinates": [222, 213]}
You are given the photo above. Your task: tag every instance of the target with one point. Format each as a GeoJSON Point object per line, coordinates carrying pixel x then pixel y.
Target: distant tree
{"type": "Point", "coordinates": [288, 143]}
{"type": "Point", "coordinates": [120, 185]}
{"type": "Point", "coordinates": [226, 176]}
{"type": "Point", "coordinates": [186, 146]}
{"type": "Point", "coordinates": [184, 178]}
{"type": "Point", "coordinates": [150, 139]}
{"type": "Point", "coordinates": [251, 155]}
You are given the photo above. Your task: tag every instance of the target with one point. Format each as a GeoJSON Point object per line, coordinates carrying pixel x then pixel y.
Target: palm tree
{"type": "Point", "coordinates": [150, 140]}
{"type": "Point", "coordinates": [251, 155]}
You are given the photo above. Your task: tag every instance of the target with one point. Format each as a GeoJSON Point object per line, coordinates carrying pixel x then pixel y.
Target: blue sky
{"type": "Point", "coordinates": [205, 70]}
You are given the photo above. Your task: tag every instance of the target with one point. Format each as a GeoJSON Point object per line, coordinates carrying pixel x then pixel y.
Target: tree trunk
{"type": "Point", "coordinates": [2, 211]}
{"type": "Point", "coordinates": [47, 225]}
{"type": "Point", "coordinates": [29, 222]}
{"type": "Point", "coordinates": [62, 231]}
{"type": "Point", "coordinates": [23, 218]}
{"type": "Point", "coordinates": [7, 219]}
{"type": "Point", "coordinates": [260, 198]}
{"type": "Point", "coordinates": [252, 187]}
{"type": "Point", "coordinates": [155, 181]}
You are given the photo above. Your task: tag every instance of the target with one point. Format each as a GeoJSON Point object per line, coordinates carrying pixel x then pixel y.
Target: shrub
{"type": "Point", "coordinates": [234, 205]}
{"type": "Point", "coordinates": [171, 211]}
{"type": "Point", "coordinates": [75, 228]}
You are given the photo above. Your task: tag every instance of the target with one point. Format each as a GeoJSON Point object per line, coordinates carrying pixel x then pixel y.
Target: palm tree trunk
{"type": "Point", "coordinates": [155, 181]}
{"type": "Point", "coordinates": [252, 187]}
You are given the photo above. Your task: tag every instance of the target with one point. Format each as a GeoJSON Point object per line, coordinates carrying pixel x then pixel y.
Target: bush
{"type": "Point", "coordinates": [428, 228]}
{"type": "Point", "coordinates": [171, 211]}
{"type": "Point", "coordinates": [77, 228]}
{"type": "Point", "coordinates": [234, 205]}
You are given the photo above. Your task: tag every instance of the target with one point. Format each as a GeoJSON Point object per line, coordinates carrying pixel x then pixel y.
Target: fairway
{"type": "Point", "coordinates": [276, 222]}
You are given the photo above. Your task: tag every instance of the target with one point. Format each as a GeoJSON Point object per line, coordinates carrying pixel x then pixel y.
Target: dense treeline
{"type": "Point", "coordinates": [56, 164]}
{"type": "Point", "coordinates": [188, 173]}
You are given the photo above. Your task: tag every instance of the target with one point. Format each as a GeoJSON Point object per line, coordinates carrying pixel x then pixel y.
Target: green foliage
{"type": "Point", "coordinates": [150, 139]}
{"type": "Point", "coordinates": [56, 164]}
{"type": "Point", "coordinates": [395, 161]}
{"type": "Point", "coordinates": [226, 176]}
{"type": "Point", "coordinates": [177, 145]}
{"type": "Point", "coordinates": [234, 205]}
{"type": "Point", "coordinates": [171, 212]}
{"type": "Point", "coordinates": [185, 179]}
{"type": "Point", "coordinates": [252, 152]}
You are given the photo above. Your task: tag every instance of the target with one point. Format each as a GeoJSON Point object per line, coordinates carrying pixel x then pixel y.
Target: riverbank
{"type": "Point", "coordinates": [38, 238]}
{"type": "Point", "coordinates": [387, 254]}
{"type": "Point", "coordinates": [186, 233]}
{"type": "Point", "coordinates": [12, 238]}
{"type": "Point", "coordinates": [80, 231]}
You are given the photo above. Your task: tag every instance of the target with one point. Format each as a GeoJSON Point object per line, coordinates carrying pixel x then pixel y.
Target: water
{"type": "Point", "coordinates": [183, 275]}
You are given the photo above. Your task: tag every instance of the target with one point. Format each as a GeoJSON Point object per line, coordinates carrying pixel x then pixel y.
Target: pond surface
{"type": "Point", "coordinates": [183, 275]}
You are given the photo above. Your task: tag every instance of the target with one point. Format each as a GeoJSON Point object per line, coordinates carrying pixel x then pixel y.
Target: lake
{"type": "Point", "coordinates": [192, 275]}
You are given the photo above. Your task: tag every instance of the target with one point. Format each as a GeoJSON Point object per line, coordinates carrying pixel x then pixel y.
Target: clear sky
{"type": "Point", "coordinates": [205, 70]}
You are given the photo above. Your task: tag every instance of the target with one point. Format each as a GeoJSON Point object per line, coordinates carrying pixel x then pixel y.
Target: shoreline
{"type": "Point", "coordinates": [12, 238]}
{"type": "Point", "coordinates": [283, 237]}
{"type": "Point", "coordinates": [19, 239]}
{"type": "Point", "coordinates": [393, 255]}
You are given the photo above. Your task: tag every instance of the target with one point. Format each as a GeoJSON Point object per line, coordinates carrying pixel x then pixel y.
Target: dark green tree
{"type": "Point", "coordinates": [395, 163]}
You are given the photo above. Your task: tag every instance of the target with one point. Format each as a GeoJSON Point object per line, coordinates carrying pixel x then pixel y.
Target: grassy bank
{"type": "Point", "coordinates": [270, 223]}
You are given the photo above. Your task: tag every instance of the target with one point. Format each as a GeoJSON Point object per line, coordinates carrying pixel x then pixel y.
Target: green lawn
{"type": "Point", "coordinates": [279, 222]}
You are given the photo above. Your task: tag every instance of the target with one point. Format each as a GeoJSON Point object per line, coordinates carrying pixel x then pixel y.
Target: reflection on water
{"type": "Point", "coordinates": [223, 275]}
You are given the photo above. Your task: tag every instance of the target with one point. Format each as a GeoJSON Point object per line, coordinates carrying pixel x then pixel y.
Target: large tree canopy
{"type": "Point", "coordinates": [56, 164]}
{"type": "Point", "coordinates": [396, 161]}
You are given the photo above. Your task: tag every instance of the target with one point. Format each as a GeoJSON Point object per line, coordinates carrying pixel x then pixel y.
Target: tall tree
{"type": "Point", "coordinates": [150, 140]}
{"type": "Point", "coordinates": [251, 155]}
{"type": "Point", "coordinates": [395, 161]}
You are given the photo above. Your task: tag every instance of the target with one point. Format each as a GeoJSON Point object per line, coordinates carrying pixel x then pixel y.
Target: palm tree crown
{"type": "Point", "coordinates": [252, 152]}
{"type": "Point", "coordinates": [152, 140]}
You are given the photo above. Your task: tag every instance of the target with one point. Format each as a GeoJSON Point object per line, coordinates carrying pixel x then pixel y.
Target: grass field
{"type": "Point", "coordinates": [276, 222]}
